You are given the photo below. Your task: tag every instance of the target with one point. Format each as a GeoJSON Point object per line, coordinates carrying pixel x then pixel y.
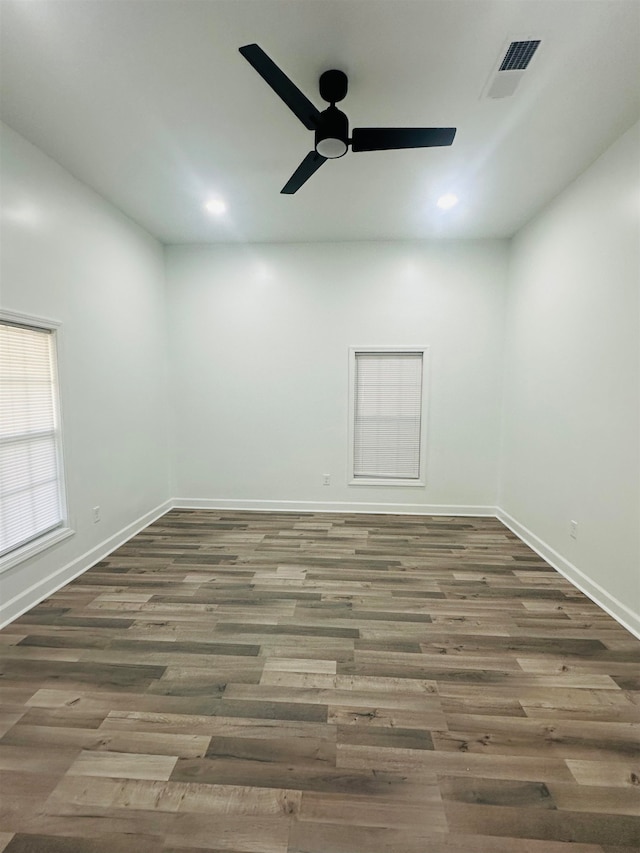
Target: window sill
{"type": "Point", "coordinates": [32, 548]}
{"type": "Point", "coordinates": [372, 481]}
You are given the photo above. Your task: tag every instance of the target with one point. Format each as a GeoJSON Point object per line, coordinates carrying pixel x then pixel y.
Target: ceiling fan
{"type": "Point", "coordinates": [331, 126]}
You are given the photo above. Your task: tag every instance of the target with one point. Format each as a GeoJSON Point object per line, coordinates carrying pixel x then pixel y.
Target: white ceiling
{"type": "Point", "coordinates": [150, 103]}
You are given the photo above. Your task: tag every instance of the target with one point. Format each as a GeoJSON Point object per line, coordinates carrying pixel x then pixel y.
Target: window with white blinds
{"type": "Point", "coordinates": [31, 488]}
{"type": "Point", "coordinates": [387, 401]}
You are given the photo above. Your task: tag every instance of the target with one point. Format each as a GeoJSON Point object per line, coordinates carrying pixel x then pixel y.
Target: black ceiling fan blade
{"type": "Point", "coordinates": [281, 85]}
{"type": "Point", "coordinates": [309, 165]}
{"type": "Point", "coordinates": [385, 138]}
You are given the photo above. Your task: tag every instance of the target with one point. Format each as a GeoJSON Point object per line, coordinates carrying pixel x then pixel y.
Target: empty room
{"type": "Point", "coordinates": [320, 426]}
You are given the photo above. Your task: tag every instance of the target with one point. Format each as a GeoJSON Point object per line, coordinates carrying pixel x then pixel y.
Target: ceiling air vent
{"type": "Point", "coordinates": [510, 68]}
{"type": "Point", "coordinates": [519, 55]}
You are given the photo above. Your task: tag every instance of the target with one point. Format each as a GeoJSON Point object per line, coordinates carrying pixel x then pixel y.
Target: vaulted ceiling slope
{"type": "Point", "coordinates": [151, 104]}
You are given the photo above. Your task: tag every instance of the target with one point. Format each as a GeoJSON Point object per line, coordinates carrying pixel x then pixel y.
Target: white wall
{"type": "Point", "coordinates": [69, 256]}
{"type": "Point", "coordinates": [259, 342]}
{"type": "Point", "coordinates": [571, 445]}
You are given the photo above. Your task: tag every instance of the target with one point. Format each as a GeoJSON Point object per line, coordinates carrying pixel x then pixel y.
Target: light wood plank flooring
{"type": "Point", "coordinates": [281, 683]}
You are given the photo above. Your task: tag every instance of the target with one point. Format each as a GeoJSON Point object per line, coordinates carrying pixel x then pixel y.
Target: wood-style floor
{"type": "Point", "coordinates": [282, 683]}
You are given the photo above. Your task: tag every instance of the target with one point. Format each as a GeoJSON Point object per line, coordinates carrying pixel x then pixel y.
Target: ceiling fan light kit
{"type": "Point", "coordinates": [332, 136]}
{"type": "Point", "coordinates": [331, 126]}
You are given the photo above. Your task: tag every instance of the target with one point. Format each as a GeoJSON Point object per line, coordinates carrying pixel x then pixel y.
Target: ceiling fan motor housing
{"type": "Point", "coordinates": [332, 133]}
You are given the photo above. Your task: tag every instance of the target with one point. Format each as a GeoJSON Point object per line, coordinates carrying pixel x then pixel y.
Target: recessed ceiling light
{"type": "Point", "coordinates": [447, 201]}
{"type": "Point", "coordinates": [216, 206]}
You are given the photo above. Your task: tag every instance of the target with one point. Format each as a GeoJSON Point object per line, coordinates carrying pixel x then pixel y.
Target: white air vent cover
{"type": "Point", "coordinates": [508, 72]}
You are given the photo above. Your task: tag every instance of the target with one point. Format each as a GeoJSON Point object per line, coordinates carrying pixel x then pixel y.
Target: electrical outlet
{"type": "Point", "coordinates": [573, 529]}
{"type": "Point", "coordinates": [96, 514]}
{"type": "Point", "coordinates": [326, 479]}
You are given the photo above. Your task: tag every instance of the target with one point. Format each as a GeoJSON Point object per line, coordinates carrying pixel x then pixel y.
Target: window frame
{"type": "Point", "coordinates": [46, 539]}
{"type": "Point", "coordinates": [421, 481]}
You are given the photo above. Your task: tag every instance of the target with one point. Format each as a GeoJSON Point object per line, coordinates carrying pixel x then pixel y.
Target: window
{"type": "Point", "coordinates": [32, 501]}
{"type": "Point", "coordinates": [387, 435]}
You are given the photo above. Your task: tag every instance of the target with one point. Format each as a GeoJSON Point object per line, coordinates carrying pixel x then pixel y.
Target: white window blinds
{"type": "Point", "coordinates": [387, 415]}
{"type": "Point", "coordinates": [30, 470]}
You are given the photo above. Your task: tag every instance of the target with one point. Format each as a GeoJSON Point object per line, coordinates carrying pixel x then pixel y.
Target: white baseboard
{"type": "Point", "coordinates": [36, 593]}
{"type": "Point", "coordinates": [620, 612]}
{"type": "Point", "coordinates": [333, 506]}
